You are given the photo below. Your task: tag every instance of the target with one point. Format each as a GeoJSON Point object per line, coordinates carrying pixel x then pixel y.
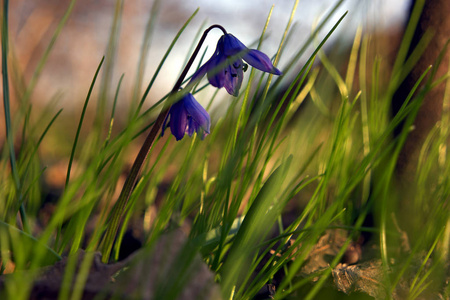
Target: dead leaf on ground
{"type": "Point", "coordinates": [140, 276]}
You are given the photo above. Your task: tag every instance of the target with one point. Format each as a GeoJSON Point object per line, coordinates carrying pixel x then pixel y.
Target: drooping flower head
{"type": "Point", "coordinates": [188, 116]}
{"type": "Point", "coordinates": [226, 68]}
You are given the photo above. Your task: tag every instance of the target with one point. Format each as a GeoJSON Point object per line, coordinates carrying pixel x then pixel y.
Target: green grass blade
{"type": "Point", "coordinates": [158, 69]}
{"type": "Point", "coordinates": [45, 56]}
{"type": "Point", "coordinates": [259, 217]}
{"type": "Point", "coordinates": [142, 62]}
{"type": "Point", "coordinates": [80, 123]}
{"type": "Point", "coordinates": [110, 56]}
{"type": "Point", "coordinates": [49, 250]}
{"type": "Point", "coordinates": [113, 111]}
{"type": "Point", "coordinates": [44, 133]}
{"type": "Point", "coordinates": [8, 127]}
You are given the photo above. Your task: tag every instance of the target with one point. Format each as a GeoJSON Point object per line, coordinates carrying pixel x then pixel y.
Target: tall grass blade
{"type": "Point", "coordinates": [8, 127]}
{"type": "Point", "coordinates": [80, 123]}
{"type": "Point", "coordinates": [158, 69]}
{"type": "Point", "coordinates": [45, 56]}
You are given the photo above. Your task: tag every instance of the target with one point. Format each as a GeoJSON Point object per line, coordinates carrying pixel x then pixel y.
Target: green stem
{"type": "Point", "coordinates": [9, 133]}
{"type": "Point", "coordinates": [119, 207]}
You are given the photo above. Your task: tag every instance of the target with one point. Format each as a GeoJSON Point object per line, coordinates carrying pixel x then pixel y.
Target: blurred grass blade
{"type": "Point", "coordinates": [258, 219]}
{"type": "Point", "coordinates": [8, 127]}
{"type": "Point", "coordinates": [36, 242]}
{"type": "Point", "coordinates": [113, 111]}
{"type": "Point", "coordinates": [110, 56]}
{"type": "Point", "coordinates": [45, 56]}
{"type": "Point", "coordinates": [36, 146]}
{"type": "Point", "coordinates": [158, 69]}
{"type": "Point", "coordinates": [142, 62]}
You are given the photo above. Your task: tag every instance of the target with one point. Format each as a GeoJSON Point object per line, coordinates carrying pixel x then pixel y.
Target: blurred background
{"type": "Point", "coordinates": [65, 77]}
{"type": "Point", "coordinates": [83, 40]}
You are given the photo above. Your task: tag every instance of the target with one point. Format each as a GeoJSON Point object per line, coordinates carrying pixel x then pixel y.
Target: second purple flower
{"type": "Point", "coordinates": [187, 116]}
{"type": "Point", "coordinates": [226, 68]}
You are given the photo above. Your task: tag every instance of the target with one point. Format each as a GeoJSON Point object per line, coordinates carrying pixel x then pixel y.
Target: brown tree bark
{"type": "Point", "coordinates": [435, 17]}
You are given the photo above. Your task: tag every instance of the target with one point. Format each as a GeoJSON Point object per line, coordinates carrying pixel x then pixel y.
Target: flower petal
{"type": "Point", "coordinates": [198, 75]}
{"type": "Point", "coordinates": [216, 71]}
{"type": "Point", "coordinates": [232, 46]}
{"type": "Point", "coordinates": [261, 61]}
{"type": "Point", "coordinates": [178, 119]}
{"type": "Point", "coordinates": [192, 126]}
{"type": "Point", "coordinates": [198, 114]}
{"type": "Point", "coordinates": [209, 66]}
{"type": "Point", "coordinates": [234, 76]}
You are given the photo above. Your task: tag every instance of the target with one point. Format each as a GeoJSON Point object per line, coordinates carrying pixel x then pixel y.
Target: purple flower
{"type": "Point", "coordinates": [226, 68]}
{"type": "Point", "coordinates": [187, 116]}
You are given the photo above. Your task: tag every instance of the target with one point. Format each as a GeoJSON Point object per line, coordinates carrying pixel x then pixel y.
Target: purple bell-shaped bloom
{"type": "Point", "coordinates": [188, 116]}
{"type": "Point", "coordinates": [226, 68]}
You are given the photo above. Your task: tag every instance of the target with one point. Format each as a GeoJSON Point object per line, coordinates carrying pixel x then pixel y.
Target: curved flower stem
{"type": "Point", "coordinates": [119, 207]}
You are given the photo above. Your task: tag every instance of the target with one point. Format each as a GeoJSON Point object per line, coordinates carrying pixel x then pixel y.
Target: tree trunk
{"type": "Point", "coordinates": [434, 17]}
